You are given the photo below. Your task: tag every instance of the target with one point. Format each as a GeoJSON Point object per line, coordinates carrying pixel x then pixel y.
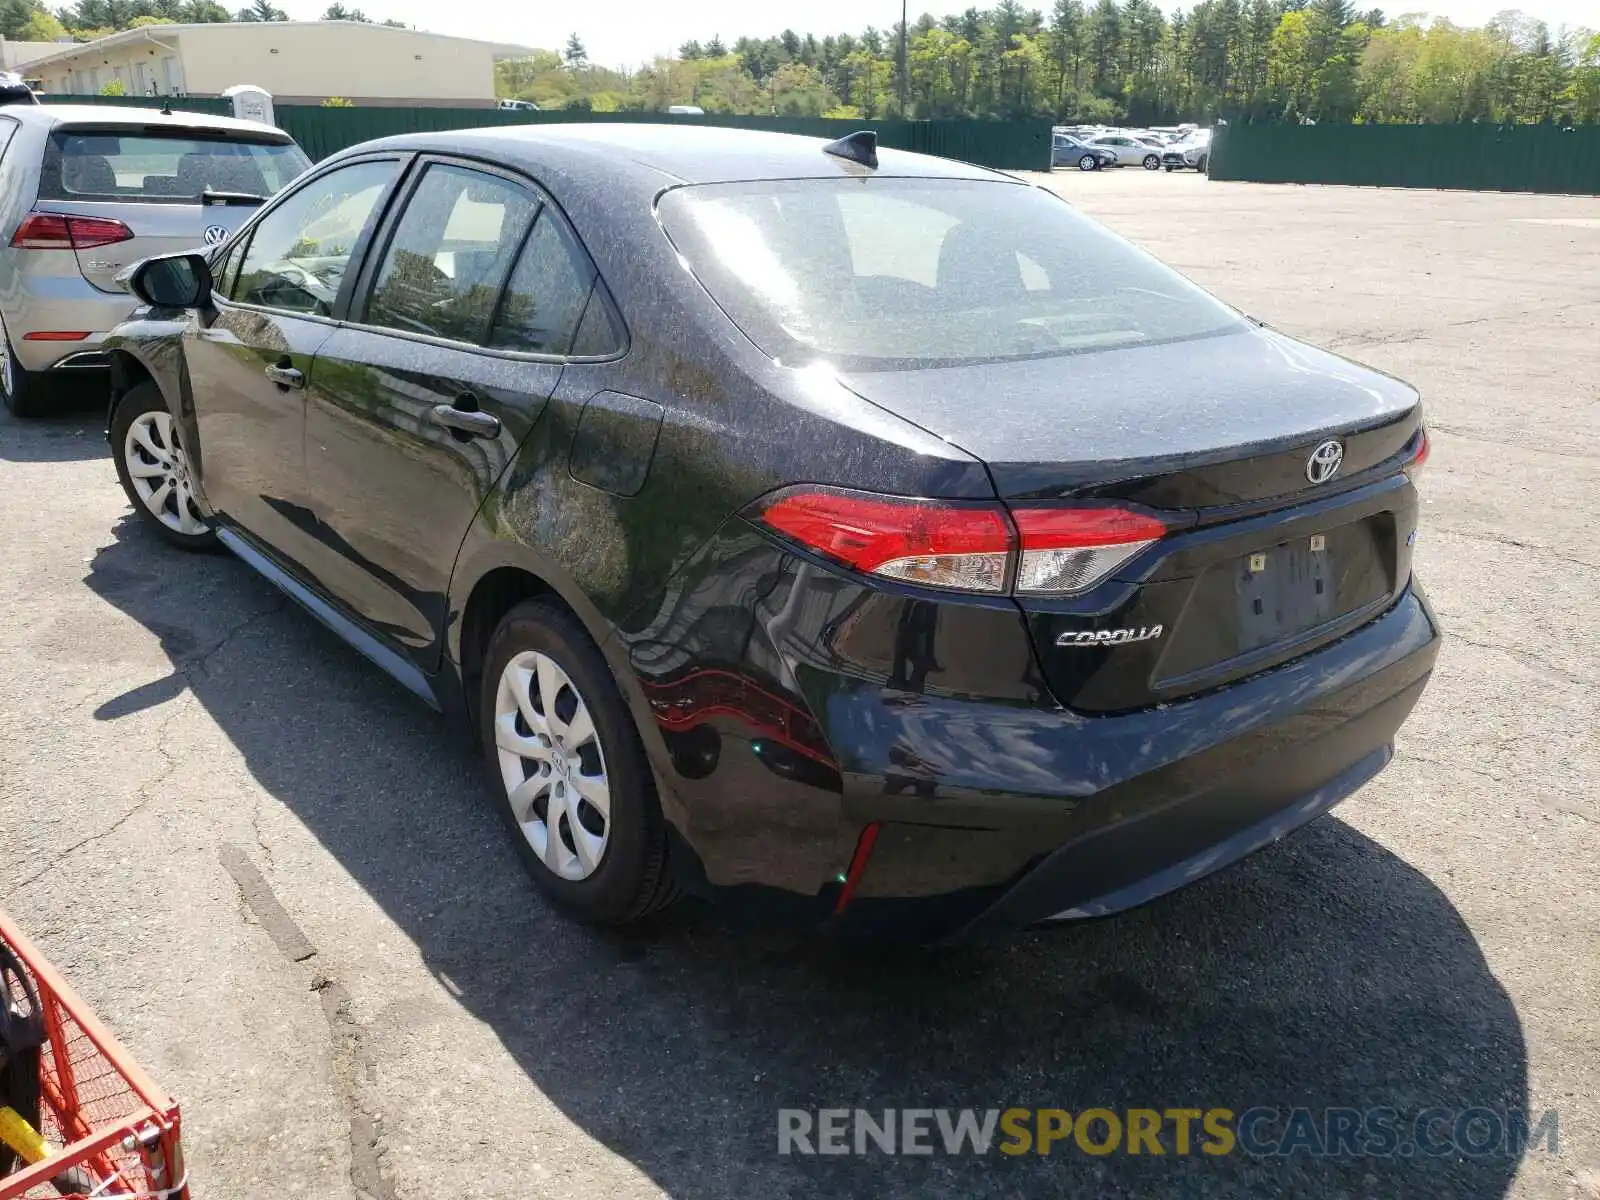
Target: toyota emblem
{"type": "Point", "coordinates": [1325, 461]}
{"type": "Point", "coordinates": [216, 235]}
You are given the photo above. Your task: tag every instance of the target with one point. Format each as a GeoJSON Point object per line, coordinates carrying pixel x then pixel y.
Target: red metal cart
{"type": "Point", "coordinates": [105, 1120]}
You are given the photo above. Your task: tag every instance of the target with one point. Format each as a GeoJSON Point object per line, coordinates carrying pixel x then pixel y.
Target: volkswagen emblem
{"type": "Point", "coordinates": [216, 235]}
{"type": "Point", "coordinates": [1325, 461]}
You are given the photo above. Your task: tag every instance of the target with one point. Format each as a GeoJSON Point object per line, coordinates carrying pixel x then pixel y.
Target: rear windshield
{"type": "Point", "coordinates": [884, 272]}
{"type": "Point", "coordinates": [156, 166]}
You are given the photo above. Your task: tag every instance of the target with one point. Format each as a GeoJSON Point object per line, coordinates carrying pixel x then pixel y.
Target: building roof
{"type": "Point", "coordinates": [154, 33]}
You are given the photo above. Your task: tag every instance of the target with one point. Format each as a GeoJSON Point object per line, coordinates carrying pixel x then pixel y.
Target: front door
{"type": "Point", "coordinates": [250, 366]}
{"type": "Point", "coordinates": [421, 402]}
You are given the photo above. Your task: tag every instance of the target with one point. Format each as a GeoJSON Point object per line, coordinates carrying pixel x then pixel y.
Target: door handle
{"type": "Point", "coordinates": [286, 376]}
{"type": "Point", "coordinates": [463, 420]}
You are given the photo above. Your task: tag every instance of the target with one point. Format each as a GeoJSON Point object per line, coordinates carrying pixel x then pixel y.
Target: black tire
{"type": "Point", "coordinates": [1202, 165]}
{"type": "Point", "coordinates": [23, 389]}
{"type": "Point", "coordinates": [147, 398]}
{"type": "Point", "coordinates": [1152, 162]}
{"type": "Point", "coordinates": [1089, 162]}
{"type": "Point", "coordinates": [632, 879]}
{"type": "Point", "coordinates": [1171, 169]}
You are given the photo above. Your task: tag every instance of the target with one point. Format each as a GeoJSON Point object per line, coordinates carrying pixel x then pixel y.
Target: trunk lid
{"type": "Point", "coordinates": [1269, 556]}
{"type": "Point", "coordinates": [157, 229]}
{"type": "Point", "coordinates": [153, 178]}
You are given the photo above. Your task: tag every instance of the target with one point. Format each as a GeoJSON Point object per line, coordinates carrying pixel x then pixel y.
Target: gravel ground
{"type": "Point", "coordinates": [261, 863]}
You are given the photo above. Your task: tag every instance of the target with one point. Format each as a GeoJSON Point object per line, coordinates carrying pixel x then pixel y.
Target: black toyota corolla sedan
{"type": "Point", "coordinates": [865, 537]}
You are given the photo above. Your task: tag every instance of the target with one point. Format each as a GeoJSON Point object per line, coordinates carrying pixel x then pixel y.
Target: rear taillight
{"type": "Point", "coordinates": [1069, 550]}
{"type": "Point", "coordinates": [967, 547]}
{"type": "Point", "coordinates": [929, 542]}
{"type": "Point", "coordinates": [1417, 460]}
{"type": "Point", "coordinates": [57, 231]}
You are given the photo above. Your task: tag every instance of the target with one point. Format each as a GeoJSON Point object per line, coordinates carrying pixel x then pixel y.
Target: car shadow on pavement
{"type": "Point", "coordinates": [73, 430]}
{"type": "Point", "coordinates": [1324, 972]}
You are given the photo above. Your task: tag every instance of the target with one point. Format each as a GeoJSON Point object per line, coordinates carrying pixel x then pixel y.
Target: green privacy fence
{"type": "Point", "coordinates": [1006, 145]}
{"type": "Point", "coordinates": [1518, 158]}
{"type": "Point", "coordinates": [1009, 145]}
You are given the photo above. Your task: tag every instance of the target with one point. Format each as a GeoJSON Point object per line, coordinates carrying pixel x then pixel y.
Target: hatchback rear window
{"type": "Point", "coordinates": [161, 166]}
{"type": "Point", "coordinates": [888, 272]}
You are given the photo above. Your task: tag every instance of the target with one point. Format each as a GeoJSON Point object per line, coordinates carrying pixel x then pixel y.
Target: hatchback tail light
{"type": "Point", "coordinates": [968, 547]}
{"type": "Point", "coordinates": [57, 231]}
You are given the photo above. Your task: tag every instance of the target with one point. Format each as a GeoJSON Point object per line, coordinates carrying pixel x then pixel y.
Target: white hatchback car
{"type": "Point", "coordinates": [86, 191]}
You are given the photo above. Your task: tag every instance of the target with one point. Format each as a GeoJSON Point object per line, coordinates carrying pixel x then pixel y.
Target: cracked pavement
{"type": "Point", "coordinates": [173, 727]}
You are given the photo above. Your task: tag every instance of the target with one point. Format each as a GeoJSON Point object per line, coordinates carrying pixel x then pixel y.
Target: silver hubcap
{"type": "Point", "coordinates": [160, 472]}
{"type": "Point", "coordinates": [551, 764]}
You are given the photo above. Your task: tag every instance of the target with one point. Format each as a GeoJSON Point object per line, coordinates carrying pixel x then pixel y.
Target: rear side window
{"type": "Point", "coordinates": [545, 299]}
{"type": "Point", "coordinates": [450, 254]}
{"type": "Point", "coordinates": [156, 166]}
{"type": "Point", "coordinates": [297, 254]}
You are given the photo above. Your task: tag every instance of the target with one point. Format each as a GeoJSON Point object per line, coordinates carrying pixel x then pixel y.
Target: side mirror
{"type": "Point", "coordinates": [172, 281]}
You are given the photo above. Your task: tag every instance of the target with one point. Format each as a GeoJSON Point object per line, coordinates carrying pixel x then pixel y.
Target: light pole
{"type": "Point", "coordinates": [905, 57]}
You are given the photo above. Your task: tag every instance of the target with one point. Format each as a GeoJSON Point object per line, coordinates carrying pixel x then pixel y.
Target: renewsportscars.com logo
{"type": "Point", "coordinates": [1259, 1131]}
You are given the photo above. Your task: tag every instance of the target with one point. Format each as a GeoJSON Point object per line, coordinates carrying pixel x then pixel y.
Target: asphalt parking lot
{"type": "Point", "coordinates": [267, 870]}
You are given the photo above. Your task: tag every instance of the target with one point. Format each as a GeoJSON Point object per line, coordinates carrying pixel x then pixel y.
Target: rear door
{"type": "Point", "coordinates": [250, 365]}
{"type": "Point", "coordinates": [456, 341]}
{"type": "Point", "coordinates": [153, 180]}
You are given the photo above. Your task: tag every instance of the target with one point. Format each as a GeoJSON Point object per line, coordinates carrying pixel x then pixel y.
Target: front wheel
{"type": "Point", "coordinates": [1088, 163]}
{"type": "Point", "coordinates": [154, 470]}
{"type": "Point", "coordinates": [1201, 166]}
{"type": "Point", "coordinates": [569, 771]}
{"type": "Point", "coordinates": [1152, 162]}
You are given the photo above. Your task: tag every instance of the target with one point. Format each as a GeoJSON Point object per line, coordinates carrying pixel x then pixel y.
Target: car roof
{"type": "Point", "coordinates": [657, 155]}
{"type": "Point", "coordinates": [51, 115]}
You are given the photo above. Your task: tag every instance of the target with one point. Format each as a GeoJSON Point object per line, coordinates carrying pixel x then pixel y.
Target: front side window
{"type": "Point", "coordinates": [150, 166]}
{"type": "Point", "coordinates": [450, 254]}
{"type": "Point", "coordinates": [297, 254]}
{"type": "Point", "coordinates": [882, 273]}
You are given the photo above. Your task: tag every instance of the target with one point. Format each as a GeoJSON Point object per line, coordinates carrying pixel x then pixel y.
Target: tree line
{"type": "Point", "coordinates": [1111, 61]}
{"type": "Point", "coordinates": [31, 21]}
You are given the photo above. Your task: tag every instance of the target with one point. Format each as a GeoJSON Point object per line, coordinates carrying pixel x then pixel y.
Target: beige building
{"type": "Point", "coordinates": [15, 56]}
{"type": "Point", "coordinates": [299, 62]}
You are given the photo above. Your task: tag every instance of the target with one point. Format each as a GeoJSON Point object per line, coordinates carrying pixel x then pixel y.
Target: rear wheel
{"type": "Point", "coordinates": [154, 469]}
{"type": "Point", "coordinates": [1088, 163]}
{"type": "Point", "coordinates": [569, 771]}
{"type": "Point", "coordinates": [23, 394]}
{"type": "Point", "coordinates": [1152, 162]}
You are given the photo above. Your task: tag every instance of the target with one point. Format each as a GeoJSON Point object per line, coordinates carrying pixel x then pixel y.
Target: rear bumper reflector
{"type": "Point", "coordinates": [56, 335]}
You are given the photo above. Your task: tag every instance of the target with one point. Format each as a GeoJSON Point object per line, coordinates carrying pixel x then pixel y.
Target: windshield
{"type": "Point", "coordinates": [885, 272]}
{"type": "Point", "coordinates": [154, 166]}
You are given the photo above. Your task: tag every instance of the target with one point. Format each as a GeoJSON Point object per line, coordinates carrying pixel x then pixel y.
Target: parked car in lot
{"type": "Point", "coordinates": [1068, 151]}
{"type": "Point", "coordinates": [866, 537]}
{"type": "Point", "coordinates": [1194, 152]}
{"type": "Point", "coordinates": [1130, 151]}
{"type": "Point", "coordinates": [86, 191]}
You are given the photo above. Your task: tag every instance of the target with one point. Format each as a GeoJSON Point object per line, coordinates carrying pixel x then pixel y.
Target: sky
{"type": "Point", "coordinates": [631, 32]}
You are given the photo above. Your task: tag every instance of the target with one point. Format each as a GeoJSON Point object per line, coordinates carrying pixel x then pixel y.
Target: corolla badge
{"type": "Point", "coordinates": [1109, 637]}
{"type": "Point", "coordinates": [1325, 461]}
{"type": "Point", "coordinates": [216, 235]}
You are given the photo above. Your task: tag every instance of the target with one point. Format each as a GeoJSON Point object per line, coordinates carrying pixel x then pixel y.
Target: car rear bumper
{"type": "Point", "coordinates": [1075, 818]}
{"type": "Point", "coordinates": [55, 304]}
